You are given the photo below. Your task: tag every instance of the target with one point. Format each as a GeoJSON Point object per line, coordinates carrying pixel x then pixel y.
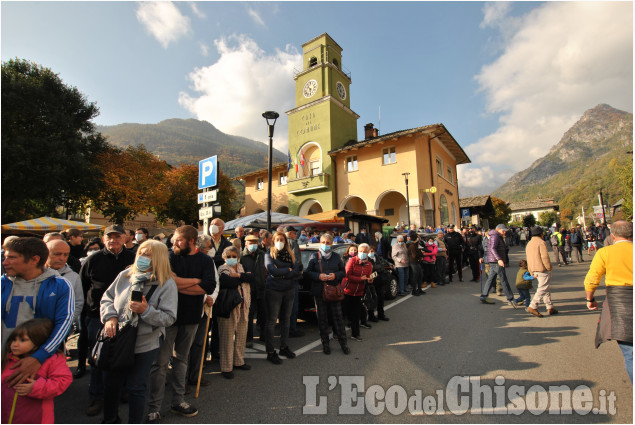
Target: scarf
{"type": "Point", "coordinates": [137, 283]}
{"type": "Point", "coordinates": [284, 256]}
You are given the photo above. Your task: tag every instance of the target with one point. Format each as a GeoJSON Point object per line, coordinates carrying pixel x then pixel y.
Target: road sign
{"type": "Point", "coordinates": [210, 196]}
{"type": "Point", "coordinates": [465, 212]}
{"type": "Point", "coordinates": [206, 212]}
{"type": "Point", "coordinates": [433, 189]}
{"type": "Point", "coordinates": [208, 172]}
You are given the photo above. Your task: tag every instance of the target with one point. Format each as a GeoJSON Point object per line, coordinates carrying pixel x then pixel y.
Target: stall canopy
{"type": "Point", "coordinates": [260, 220]}
{"type": "Point", "coordinates": [47, 224]}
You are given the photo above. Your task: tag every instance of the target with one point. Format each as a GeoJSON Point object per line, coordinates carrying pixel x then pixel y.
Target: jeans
{"type": "Point", "coordinates": [496, 270]}
{"type": "Point", "coordinates": [178, 341]}
{"type": "Point", "coordinates": [96, 386]}
{"type": "Point", "coordinates": [279, 304]}
{"type": "Point", "coordinates": [627, 352]}
{"type": "Point", "coordinates": [82, 342]}
{"type": "Point", "coordinates": [136, 379]}
{"type": "Point", "coordinates": [524, 296]}
{"type": "Point", "coordinates": [257, 310]}
{"type": "Point", "coordinates": [415, 276]}
{"type": "Point", "coordinates": [294, 312]}
{"type": "Point", "coordinates": [403, 273]}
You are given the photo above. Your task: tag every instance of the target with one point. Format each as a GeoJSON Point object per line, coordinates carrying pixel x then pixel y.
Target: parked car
{"type": "Point", "coordinates": [306, 308]}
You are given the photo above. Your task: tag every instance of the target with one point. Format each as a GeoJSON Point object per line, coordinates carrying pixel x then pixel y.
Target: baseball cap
{"type": "Point", "coordinates": [115, 228]}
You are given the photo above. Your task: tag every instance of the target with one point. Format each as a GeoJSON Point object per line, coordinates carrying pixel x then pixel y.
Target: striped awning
{"type": "Point", "coordinates": [48, 224]}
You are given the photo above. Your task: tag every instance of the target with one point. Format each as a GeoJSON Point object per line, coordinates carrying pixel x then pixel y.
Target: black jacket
{"type": "Point", "coordinates": [98, 272]}
{"type": "Point", "coordinates": [255, 264]}
{"type": "Point", "coordinates": [454, 241]}
{"type": "Point", "coordinates": [329, 265]}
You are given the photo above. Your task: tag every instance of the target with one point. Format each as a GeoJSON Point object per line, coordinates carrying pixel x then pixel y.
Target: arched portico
{"type": "Point", "coordinates": [310, 206]}
{"type": "Point", "coordinates": [354, 203]}
{"type": "Point", "coordinates": [391, 204]}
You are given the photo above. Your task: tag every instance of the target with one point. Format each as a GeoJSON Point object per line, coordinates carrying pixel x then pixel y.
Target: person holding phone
{"type": "Point", "coordinates": [144, 294]}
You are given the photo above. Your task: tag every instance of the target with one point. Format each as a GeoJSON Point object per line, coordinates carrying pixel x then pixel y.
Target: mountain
{"type": "Point", "coordinates": [179, 141]}
{"type": "Point", "coordinates": [580, 164]}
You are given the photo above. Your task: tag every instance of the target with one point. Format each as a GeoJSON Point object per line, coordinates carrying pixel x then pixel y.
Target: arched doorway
{"type": "Point", "coordinates": [283, 209]}
{"type": "Point", "coordinates": [310, 206]}
{"type": "Point", "coordinates": [455, 217]}
{"type": "Point", "coordinates": [392, 205]}
{"type": "Point", "coordinates": [428, 209]}
{"type": "Point", "coordinates": [354, 203]}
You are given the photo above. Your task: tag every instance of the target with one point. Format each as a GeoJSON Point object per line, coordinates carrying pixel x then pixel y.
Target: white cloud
{"type": "Point", "coordinates": [233, 93]}
{"type": "Point", "coordinates": [164, 21]}
{"type": "Point", "coordinates": [196, 10]}
{"type": "Point", "coordinates": [562, 59]}
{"type": "Point", "coordinates": [256, 16]}
{"type": "Point", "coordinates": [204, 48]}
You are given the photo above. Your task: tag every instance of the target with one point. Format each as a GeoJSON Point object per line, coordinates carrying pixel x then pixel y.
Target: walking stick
{"type": "Point", "coordinates": [15, 400]}
{"type": "Point", "coordinates": [200, 369]}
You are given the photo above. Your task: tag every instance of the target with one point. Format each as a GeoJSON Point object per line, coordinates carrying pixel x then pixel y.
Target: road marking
{"type": "Point", "coordinates": [435, 339]}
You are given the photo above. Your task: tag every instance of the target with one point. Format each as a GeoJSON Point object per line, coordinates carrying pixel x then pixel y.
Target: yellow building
{"type": "Point", "coordinates": [333, 170]}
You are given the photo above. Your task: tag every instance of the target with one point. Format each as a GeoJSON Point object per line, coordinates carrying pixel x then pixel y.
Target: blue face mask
{"type": "Point", "coordinates": [231, 262]}
{"type": "Point", "coordinates": [371, 255]}
{"type": "Point", "coordinates": [325, 248]}
{"type": "Point", "coordinates": [143, 263]}
{"type": "Point", "coordinates": [362, 256]}
{"type": "Point", "coordinates": [253, 247]}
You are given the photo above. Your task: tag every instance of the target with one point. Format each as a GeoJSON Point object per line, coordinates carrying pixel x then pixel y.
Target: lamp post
{"type": "Point", "coordinates": [407, 198]}
{"type": "Point", "coordinates": [270, 117]}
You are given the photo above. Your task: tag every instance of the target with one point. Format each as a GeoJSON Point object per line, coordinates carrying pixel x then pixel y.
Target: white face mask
{"type": "Point", "coordinates": [138, 237]}
{"type": "Point", "coordinates": [215, 229]}
{"type": "Point", "coordinates": [279, 246]}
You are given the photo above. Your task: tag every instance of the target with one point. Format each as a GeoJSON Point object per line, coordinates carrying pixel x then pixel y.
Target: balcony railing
{"type": "Point", "coordinates": [305, 184]}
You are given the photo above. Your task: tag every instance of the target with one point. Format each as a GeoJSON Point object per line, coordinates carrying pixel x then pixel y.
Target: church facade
{"type": "Point", "coordinates": [331, 169]}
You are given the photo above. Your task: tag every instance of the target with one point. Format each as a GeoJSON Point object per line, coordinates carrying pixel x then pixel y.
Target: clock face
{"type": "Point", "coordinates": [310, 88]}
{"type": "Point", "coordinates": [341, 90]}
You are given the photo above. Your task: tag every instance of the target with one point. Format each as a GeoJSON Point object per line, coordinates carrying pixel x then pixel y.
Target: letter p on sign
{"type": "Point", "coordinates": [208, 172]}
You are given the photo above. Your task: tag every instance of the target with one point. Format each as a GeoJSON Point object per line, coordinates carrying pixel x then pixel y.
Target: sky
{"type": "Point", "coordinates": [507, 79]}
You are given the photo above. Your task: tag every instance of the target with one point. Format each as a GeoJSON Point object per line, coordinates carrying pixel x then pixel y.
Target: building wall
{"type": "Point", "coordinates": [256, 200]}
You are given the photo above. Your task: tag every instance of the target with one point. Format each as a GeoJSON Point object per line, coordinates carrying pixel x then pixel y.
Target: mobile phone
{"type": "Point", "coordinates": [373, 275]}
{"type": "Point", "coordinates": [136, 296]}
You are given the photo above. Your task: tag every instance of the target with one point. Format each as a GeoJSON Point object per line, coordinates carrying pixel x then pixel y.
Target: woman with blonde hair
{"type": "Point", "coordinates": [146, 296]}
{"type": "Point", "coordinates": [233, 329]}
{"type": "Point", "coordinates": [283, 272]}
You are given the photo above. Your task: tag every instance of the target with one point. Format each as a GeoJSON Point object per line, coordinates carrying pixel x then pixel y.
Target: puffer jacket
{"type": "Point", "coordinates": [495, 247]}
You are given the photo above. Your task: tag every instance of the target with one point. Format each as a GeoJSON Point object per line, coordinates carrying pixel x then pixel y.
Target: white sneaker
{"type": "Point", "coordinates": [153, 418]}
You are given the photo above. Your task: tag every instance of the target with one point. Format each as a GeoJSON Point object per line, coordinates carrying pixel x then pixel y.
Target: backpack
{"type": "Point", "coordinates": [575, 238]}
{"type": "Point", "coordinates": [554, 239]}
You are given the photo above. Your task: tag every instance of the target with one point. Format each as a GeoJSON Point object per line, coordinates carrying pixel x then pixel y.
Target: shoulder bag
{"type": "Point", "coordinates": [330, 293]}
{"type": "Point", "coordinates": [117, 352]}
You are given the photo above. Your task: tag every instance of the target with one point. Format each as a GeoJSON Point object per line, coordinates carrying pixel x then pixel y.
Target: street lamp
{"type": "Point", "coordinates": [407, 198]}
{"type": "Point", "coordinates": [271, 118]}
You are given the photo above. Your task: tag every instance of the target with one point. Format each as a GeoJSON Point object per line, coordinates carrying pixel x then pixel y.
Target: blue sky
{"type": "Point", "coordinates": [506, 78]}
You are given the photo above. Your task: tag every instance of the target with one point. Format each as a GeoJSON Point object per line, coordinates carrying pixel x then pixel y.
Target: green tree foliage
{"type": "Point", "coordinates": [226, 194]}
{"type": "Point", "coordinates": [529, 220]}
{"type": "Point", "coordinates": [547, 218]}
{"type": "Point", "coordinates": [502, 212]}
{"type": "Point", "coordinates": [49, 144]}
{"type": "Point", "coordinates": [624, 179]}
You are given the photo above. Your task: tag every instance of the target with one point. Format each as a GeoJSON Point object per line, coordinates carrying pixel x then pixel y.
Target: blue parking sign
{"type": "Point", "coordinates": [465, 213]}
{"type": "Point", "coordinates": [208, 172]}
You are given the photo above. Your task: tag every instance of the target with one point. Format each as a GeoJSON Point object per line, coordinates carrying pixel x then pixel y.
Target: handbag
{"type": "Point", "coordinates": [117, 352]}
{"type": "Point", "coordinates": [330, 293]}
{"type": "Point", "coordinates": [228, 299]}
{"type": "Point", "coordinates": [369, 300]}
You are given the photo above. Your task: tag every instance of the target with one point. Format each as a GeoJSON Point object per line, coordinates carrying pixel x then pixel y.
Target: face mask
{"type": "Point", "coordinates": [325, 248]}
{"type": "Point", "coordinates": [92, 252]}
{"type": "Point", "coordinates": [371, 255]}
{"type": "Point", "coordinates": [231, 262]}
{"type": "Point", "coordinates": [279, 246]}
{"type": "Point", "coordinates": [362, 256]}
{"type": "Point", "coordinates": [143, 263]}
{"type": "Point", "coordinates": [252, 248]}
{"type": "Point", "coordinates": [214, 229]}
{"type": "Point", "coordinates": [430, 242]}
{"type": "Point", "coordinates": [138, 237]}
{"type": "Point", "coordinates": [400, 243]}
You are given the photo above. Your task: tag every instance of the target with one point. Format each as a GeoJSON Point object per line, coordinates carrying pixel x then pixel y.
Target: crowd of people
{"type": "Point", "coordinates": [192, 296]}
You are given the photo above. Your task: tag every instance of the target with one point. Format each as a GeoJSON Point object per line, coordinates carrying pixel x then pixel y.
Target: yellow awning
{"type": "Point", "coordinates": [48, 224]}
{"type": "Point", "coordinates": [326, 217]}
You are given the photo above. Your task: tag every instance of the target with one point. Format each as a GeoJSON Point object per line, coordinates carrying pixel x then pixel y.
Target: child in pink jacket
{"type": "Point", "coordinates": [34, 402]}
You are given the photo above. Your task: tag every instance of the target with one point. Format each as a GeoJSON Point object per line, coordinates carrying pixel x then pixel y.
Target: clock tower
{"type": "Point", "coordinates": [321, 121]}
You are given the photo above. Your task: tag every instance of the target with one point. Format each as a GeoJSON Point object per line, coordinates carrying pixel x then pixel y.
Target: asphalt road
{"type": "Point", "coordinates": [529, 369]}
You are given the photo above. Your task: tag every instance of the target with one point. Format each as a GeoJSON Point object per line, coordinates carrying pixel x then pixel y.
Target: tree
{"type": "Point", "coordinates": [529, 220]}
{"type": "Point", "coordinates": [132, 183]}
{"type": "Point", "coordinates": [624, 178]}
{"type": "Point", "coordinates": [49, 144]}
{"type": "Point", "coordinates": [182, 206]}
{"type": "Point", "coordinates": [502, 212]}
{"type": "Point", "coordinates": [547, 218]}
{"type": "Point", "coordinates": [226, 194]}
